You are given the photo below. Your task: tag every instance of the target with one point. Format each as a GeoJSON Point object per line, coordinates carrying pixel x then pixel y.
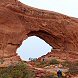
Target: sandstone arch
{"type": "Point", "coordinates": [18, 21]}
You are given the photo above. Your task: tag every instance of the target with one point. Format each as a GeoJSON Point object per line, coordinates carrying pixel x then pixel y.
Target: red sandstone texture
{"type": "Point", "coordinates": [60, 56]}
{"type": "Point", "coordinates": [19, 21]}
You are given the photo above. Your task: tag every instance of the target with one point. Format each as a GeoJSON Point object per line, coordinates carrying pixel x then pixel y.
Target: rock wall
{"type": "Point", "coordinates": [19, 21]}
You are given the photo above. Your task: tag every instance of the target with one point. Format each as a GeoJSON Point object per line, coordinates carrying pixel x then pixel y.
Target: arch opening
{"type": "Point", "coordinates": [33, 47]}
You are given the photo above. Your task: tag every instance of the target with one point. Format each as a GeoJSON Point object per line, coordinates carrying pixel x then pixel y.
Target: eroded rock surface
{"type": "Point", "coordinates": [19, 21]}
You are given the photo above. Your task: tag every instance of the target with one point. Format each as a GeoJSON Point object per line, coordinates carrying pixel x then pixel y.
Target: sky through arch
{"type": "Point", "coordinates": [33, 47]}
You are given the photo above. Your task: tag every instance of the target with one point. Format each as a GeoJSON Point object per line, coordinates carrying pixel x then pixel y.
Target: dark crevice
{"type": "Point", "coordinates": [43, 35]}
{"type": "Point", "coordinates": [13, 44]}
{"type": "Point", "coordinates": [37, 32]}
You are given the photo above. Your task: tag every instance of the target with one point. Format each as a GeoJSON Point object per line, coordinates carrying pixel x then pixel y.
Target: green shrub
{"type": "Point", "coordinates": [76, 63]}
{"type": "Point", "coordinates": [54, 61]}
{"type": "Point", "coordinates": [21, 70]}
{"type": "Point", "coordinates": [66, 64]}
{"type": "Point", "coordinates": [17, 73]}
{"type": "Point", "coordinates": [1, 61]}
{"type": "Point", "coordinates": [5, 75]}
{"type": "Point", "coordinates": [73, 69]}
{"type": "Point", "coordinates": [28, 74]}
{"type": "Point", "coordinates": [41, 64]}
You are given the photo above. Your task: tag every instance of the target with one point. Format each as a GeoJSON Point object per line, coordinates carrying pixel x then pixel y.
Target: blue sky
{"type": "Point", "coordinates": [34, 46]}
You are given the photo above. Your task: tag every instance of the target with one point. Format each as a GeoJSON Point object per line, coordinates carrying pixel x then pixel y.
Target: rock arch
{"type": "Point", "coordinates": [19, 21]}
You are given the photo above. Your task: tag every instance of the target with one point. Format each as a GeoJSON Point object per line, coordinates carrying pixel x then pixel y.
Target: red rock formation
{"type": "Point", "coordinates": [19, 21]}
{"type": "Point", "coordinates": [60, 56]}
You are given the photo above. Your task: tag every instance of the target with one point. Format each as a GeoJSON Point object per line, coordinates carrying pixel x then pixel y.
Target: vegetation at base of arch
{"type": "Point", "coordinates": [18, 71]}
{"type": "Point", "coordinates": [73, 67]}
{"type": "Point", "coordinates": [41, 64]}
{"type": "Point", "coordinates": [54, 61]}
{"type": "Point", "coordinates": [47, 63]}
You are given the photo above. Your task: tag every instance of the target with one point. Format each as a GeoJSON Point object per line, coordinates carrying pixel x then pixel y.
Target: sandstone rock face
{"type": "Point", "coordinates": [19, 21]}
